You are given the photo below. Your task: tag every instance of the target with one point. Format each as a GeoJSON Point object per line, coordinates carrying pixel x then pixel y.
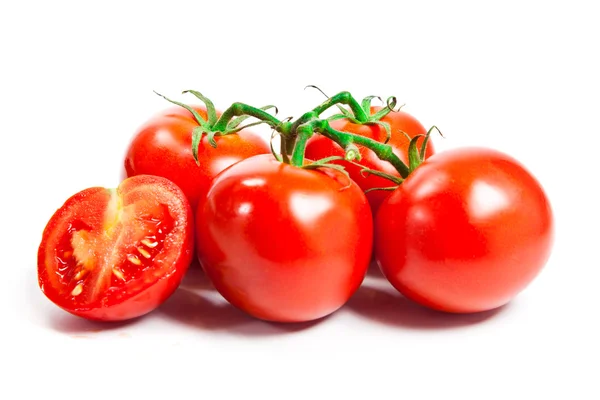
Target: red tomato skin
{"type": "Point", "coordinates": [319, 147]}
{"type": "Point", "coordinates": [282, 243]}
{"type": "Point", "coordinates": [141, 297]}
{"type": "Point", "coordinates": [162, 146]}
{"type": "Point", "coordinates": [466, 232]}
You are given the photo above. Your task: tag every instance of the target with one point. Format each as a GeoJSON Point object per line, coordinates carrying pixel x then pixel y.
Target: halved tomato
{"type": "Point", "coordinates": [117, 254]}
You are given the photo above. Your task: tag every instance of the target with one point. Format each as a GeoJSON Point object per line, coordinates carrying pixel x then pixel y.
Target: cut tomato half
{"type": "Point", "coordinates": [114, 255]}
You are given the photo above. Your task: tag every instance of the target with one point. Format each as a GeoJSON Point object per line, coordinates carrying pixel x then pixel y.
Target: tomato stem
{"type": "Point", "coordinates": [344, 139]}
{"type": "Point", "coordinates": [340, 98]}
{"type": "Point", "coordinates": [304, 133]}
{"type": "Point", "coordinates": [239, 109]}
{"type": "Point", "coordinates": [295, 134]}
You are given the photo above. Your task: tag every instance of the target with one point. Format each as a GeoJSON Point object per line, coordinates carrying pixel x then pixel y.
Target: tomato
{"type": "Point", "coordinates": [284, 243]}
{"type": "Point", "coordinates": [319, 147]}
{"type": "Point", "coordinates": [117, 254]}
{"type": "Point", "coordinates": [467, 231]}
{"type": "Point", "coordinates": [163, 146]}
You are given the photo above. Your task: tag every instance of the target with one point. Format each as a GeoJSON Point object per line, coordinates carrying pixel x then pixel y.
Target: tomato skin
{"type": "Point", "coordinates": [466, 232]}
{"type": "Point", "coordinates": [162, 146]}
{"type": "Point", "coordinates": [142, 203]}
{"type": "Point", "coordinates": [319, 147]}
{"type": "Point", "coordinates": [283, 243]}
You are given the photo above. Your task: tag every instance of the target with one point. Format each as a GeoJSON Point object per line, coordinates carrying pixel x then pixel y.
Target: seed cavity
{"type": "Point", "coordinates": [149, 244]}
{"type": "Point", "coordinates": [67, 254]}
{"type": "Point", "coordinates": [144, 252]}
{"type": "Point", "coordinates": [77, 290]}
{"type": "Point", "coordinates": [134, 260]}
{"type": "Point", "coordinates": [118, 273]}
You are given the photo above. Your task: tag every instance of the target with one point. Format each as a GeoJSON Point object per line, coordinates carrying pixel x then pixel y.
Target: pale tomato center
{"type": "Point", "coordinates": [92, 262]}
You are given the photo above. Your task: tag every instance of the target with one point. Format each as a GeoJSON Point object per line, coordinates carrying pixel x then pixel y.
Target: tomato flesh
{"type": "Point", "coordinates": [115, 255]}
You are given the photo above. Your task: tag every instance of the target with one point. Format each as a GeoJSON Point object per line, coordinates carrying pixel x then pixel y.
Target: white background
{"type": "Point", "coordinates": [76, 79]}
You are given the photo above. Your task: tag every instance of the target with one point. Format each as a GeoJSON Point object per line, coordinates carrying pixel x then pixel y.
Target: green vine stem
{"type": "Point", "coordinates": [289, 130]}
{"type": "Point", "coordinates": [304, 133]}
{"type": "Point", "coordinates": [344, 139]}
{"type": "Point", "coordinates": [295, 134]}
{"type": "Point", "coordinates": [341, 98]}
{"type": "Point", "coordinates": [239, 109]}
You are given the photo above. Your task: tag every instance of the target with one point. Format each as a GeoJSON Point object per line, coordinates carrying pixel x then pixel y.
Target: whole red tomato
{"type": "Point", "coordinates": [117, 254]}
{"type": "Point", "coordinates": [163, 146]}
{"type": "Point", "coordinates": [467, 231]}
{"type": "Point", "coordinates": [284, 243]}
{"type": "Point", "coordinates": [319, 147]}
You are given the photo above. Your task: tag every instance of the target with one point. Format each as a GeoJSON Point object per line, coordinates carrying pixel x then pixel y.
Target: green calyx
{"type": "Point", "coordinates": [213, 125]}
{"type": "Point", "coordinates": [327, 163]}
{"type": "Point", "coordinates": [416, 154]}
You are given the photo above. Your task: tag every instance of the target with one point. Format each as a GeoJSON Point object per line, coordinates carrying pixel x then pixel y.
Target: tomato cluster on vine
{"type": "Point", "coordinates": [287, 235]}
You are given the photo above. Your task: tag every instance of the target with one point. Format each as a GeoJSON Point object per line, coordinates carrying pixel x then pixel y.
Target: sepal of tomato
{"type": "Point", "coordinates": [284, 243]}
{"type": "Point", "coordinates": [117, 254]}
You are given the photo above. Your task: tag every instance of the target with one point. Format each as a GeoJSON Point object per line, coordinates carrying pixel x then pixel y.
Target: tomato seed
{"type": "Point", "coordinates": [144, 252]}
{"type": "Point", "coordinates": [77, 290]}
{"type": "Point", "coordinates": [134, 260]}
{"type": "Point", "coordinates": [149, 244]}
{"type": "Point", "coordinates": [80, 274]}
{"type": "Point", "coordinates": [118, 273]}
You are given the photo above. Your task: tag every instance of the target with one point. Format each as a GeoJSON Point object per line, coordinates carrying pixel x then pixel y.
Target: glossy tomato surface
{"type": "Point", "coordinates": [162, 146]}
{"type": "Point", "coordinates": [117, 254]}
{"type": "Point", "coordinates": [467, 231]}
{"type": "Point", "coordinates": [319, 147]}
{"type": "Point", "coordinates": [284, 243]}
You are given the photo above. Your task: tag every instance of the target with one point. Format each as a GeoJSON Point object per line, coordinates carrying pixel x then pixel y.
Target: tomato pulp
{"type": "Point", "coordinates": [117, 254]}
{"type": "Point", "coordinates": [284, 243]}
{"type": "Point", "coordinates": [467, 231]}
{"type": "Point", "coordinates": [319, 147]}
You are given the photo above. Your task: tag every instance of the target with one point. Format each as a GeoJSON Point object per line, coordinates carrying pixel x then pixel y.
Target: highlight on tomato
{"type": "Point", "coordinates": [117, 254]}
{"type": "Point", "coordinates": [468, 230]}
{"type": "Point", "coordinates": [284, 243]}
